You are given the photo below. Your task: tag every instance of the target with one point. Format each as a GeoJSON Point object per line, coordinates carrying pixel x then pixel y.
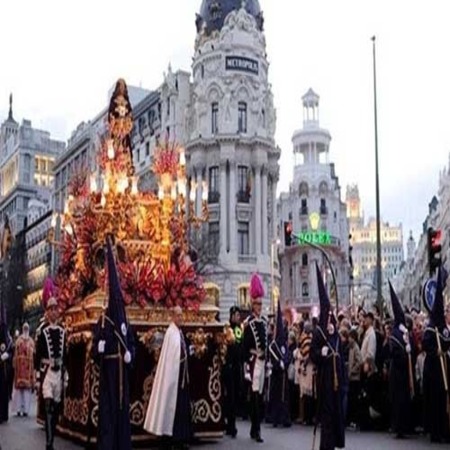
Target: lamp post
{"type": "Point", "coordinates": [377, 187]}
{"type": "Point", "coordinates": [275, 242]}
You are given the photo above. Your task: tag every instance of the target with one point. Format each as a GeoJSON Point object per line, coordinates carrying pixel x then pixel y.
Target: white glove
{"type": "Point", "coordinates": [191, 350]}
{"type": "Point", "coordinates": [408, 348]}
{"type": "Point", "coordinates": [403, 329]}
{"type": "Point", "coordinates": [101, 347]}
{"type": "Point", "coordinates": [4, 356]}
{"type": "Point", "coordinates": [248, 377]}
{"type": "Point", "coordinates": [127, 357]}
{"type": "Point", "coordinates": [282, 365]}
{"type": "Point", "coordinates": [325, 351]}
{"type": "Point", "coordinates": [66, 380]}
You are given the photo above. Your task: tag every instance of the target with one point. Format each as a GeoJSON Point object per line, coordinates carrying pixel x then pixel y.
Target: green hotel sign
{"type": "Point", "coordinates": [314, 237]}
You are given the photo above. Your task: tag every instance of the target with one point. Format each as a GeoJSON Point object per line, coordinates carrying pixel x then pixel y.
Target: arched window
{"type": "Point", "coordinates": [214, 118]}
{"type": "Point", "coordinates": [305, 290]}
{"type": "Point", "coordinates": [323, 188]}
{"type": "Point", "coordinates": [242, 117]}
{"type": "Point", "coordinates": [305, 259]}
{"type": "Point", "coordinates": [303, 189]}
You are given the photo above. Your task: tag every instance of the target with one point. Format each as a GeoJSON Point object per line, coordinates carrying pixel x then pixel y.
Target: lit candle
{"type": "Point", "coordinates": [134, 187]}
{"type": "Point", "coordinates": [105, 186]}
{"type": "Point", "coordinates": [182, 186]}
{"type": "Point", "coordinates": [160, 193]}
{"type": "Point", "coordinates": [66, 207]}
{"type": "Point", "coordinates": [103, 201]}
{"type": "Point", "coordinates": [182, 158]}
{"type": "Point", "coordinates": [192, 191]}
{"type": "Point", "coordinates": [110, 146]}
{"type": "Point", "coordinates": [54, 217]}
{"type": "Point", "coordinates": [173, 192]}
{"type": "Point", "coordinates": [93, 183]}
{"type": "Point", "coordinates": [204, 191]}
{"type": "Point", "coordinates": [68, 228]}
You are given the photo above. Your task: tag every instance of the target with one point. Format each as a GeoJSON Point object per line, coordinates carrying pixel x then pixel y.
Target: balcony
{"type": "Point", "coordinates": [243, 197]}
{"type": "Point", "coordinates": [213, 197]}
{"type": "Point", "coordinates": [247, 259]}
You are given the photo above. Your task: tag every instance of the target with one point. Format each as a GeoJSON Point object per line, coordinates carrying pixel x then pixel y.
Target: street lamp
{"type": "Point", "coordinates": [275, 243]}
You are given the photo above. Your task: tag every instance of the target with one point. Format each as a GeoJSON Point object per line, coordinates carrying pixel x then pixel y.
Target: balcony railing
{"type": "Point", "coordinates": [243, 197]}
{"type": "Point", "coordinates": [213, 197]}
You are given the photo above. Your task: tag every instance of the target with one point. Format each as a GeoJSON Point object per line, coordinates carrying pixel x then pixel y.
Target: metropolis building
{"type": "Point", "coordinates": [230, 143]}
{"type": "Point", "coordinates": [314, 208]}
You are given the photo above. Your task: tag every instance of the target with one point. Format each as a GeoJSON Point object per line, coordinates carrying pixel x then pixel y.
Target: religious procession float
{"type": "Point", "coordinates": [151, 232]}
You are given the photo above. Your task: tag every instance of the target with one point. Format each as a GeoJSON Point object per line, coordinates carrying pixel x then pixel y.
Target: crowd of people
{"type": "Point", "coordinates": [395, 370]}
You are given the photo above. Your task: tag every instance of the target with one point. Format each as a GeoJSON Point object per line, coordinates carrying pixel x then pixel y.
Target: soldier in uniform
{"type": "Point", "coordinates": [232, 372]}
{"type": "Point", "coordinates": [255, 355]}
{"type": "Point", "coordinates": [50, 362]}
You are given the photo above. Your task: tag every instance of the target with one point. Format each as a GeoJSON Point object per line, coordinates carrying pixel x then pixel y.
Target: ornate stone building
{"type": "Point", "coordinates": [314, 208]}
{"type": "Point", "coordinates": [363, 241]}
{"type": "Point", "coordinates": [230, 144]}
{"type": "Point", "coordinates": [27, 156]}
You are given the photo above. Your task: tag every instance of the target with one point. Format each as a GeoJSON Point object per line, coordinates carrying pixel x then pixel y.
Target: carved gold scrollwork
{"type": "Point", "coordinates": [199, 340]}
{"type": "Point", "coordinates": [210, 409]}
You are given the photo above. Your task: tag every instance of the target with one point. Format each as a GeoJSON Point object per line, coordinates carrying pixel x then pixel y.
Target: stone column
{"type": "Point", "coordinates": [264, 217]}
{"type": "Point", "coordinates": [198, 198]}
{"type": "Point", "coordinates": [233, 219]}
{"type": "Point", "coordinates": [223, 207]}
{"type": "Point", "coordinates": [274, 176]}
{"type": "Point", "coordinates": [257, 214]}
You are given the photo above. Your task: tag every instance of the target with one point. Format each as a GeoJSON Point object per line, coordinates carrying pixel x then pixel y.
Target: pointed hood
{"type": "Point", "coordinates": [116, 306]}
{"type": "Point", "coordinates": [399, 315]}
{"type": "Point", "coordinates": [325, 305]}
{"type": "Point", "coordinates": [437, 317]}
{"type": "Point", "coordinates": [280, 332]}
{"type": "Point", "coordinates": [256, 287]}
{"type": "Point", "coordinates": [4, 334]}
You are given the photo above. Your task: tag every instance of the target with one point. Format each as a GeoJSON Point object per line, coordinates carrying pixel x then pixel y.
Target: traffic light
{"type": "Point", "coordinates": [287, 234]}
{"type": "Point", "coordinates": [434, 249]}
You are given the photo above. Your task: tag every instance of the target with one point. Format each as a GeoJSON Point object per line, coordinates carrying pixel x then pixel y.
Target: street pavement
{"type": "Point", "coordinates": [25, 434]}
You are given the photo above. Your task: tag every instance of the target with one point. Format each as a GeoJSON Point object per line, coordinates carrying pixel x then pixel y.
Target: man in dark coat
{"type": "Point", "coordinates": [436, 342]}
{"type": "Point", "coordinates": [279, 383]}
{"type": "Point", "coordinates": [6, 357]}
{"type": "Point", "coordinates": [113, 351]}
{"type": "Point", "coordinates": [326, 353]}
{"type": "Point", "coordinates": [401, 374]}
{"type": "Point", "coordinates": [232, 372]}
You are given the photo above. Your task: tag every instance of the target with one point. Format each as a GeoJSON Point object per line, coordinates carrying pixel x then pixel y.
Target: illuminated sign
{"type": "Point", "coordinates": [314, 237]}
{"type": "Point", "coordinates": [242, 64]}
{"type": "Point", "coordinates": [314, 220]}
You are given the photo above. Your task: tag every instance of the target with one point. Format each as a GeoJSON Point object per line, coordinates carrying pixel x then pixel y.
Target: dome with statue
{"type": "Point", "coordinates": [214, 12]}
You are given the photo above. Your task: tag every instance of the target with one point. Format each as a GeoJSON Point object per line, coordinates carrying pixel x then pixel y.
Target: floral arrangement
{"type": "Point", "coordinates": [166, 159]}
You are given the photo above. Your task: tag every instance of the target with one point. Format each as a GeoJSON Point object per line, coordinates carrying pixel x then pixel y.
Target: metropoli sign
{"type": "Point", "coordinates": [314, 236]}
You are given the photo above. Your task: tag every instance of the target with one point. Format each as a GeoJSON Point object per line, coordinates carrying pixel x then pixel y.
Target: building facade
{"type": "Point", "coordinates": [27, 156]}
{"type": "Point", "coordinates": [364, 253]}
{"type": "Point", "coordinates": [230, 128]}
{"type": "Point", "coordinates": [314, 208]}
{"type": "Point", "coordinates": [38, 257]}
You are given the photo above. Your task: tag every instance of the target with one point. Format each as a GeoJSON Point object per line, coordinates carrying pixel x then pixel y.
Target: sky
{"type": "Point", "coordinates": [60, 58]}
